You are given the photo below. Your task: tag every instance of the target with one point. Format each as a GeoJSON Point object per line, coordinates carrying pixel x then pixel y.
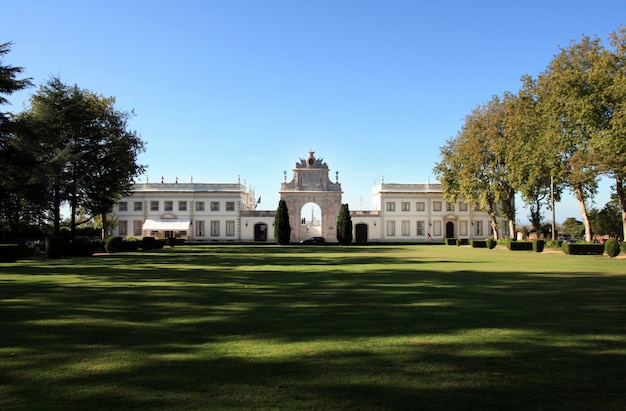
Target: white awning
{"type": "Point", "coordinates": [169, 225]}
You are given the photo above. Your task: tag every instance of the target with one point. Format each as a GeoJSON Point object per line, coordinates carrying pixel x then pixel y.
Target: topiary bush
{"type": "Point", "coordinates": [583, 249]}
{"type": "Point", "coordinates": [538, 245]}
{"type": "Point", "coordinates": [612, 247]}
{"type": "Point", "coordinates": [520, 245]}
{"type": "Point", "coordinates": [9, 253]}
{"type": "Point", "coordinates": [129, 244]}
{"type": "Point", "coordinates": [478, 243]}
{"type": "Point", "coordinates": [113, 244]}
{"type": "Point", "coordinates": [148, 243]}
{"type": "Point", "coordinates": [450, 241]}
{"type": "Point", "coordinates": [54, 247]}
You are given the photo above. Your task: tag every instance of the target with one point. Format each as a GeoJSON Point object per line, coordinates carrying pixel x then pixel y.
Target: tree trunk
{"type": "Point", "coordinates": [105, 226]}
{"type": "Point", "coordinates": [578, 191]}
{"type": "Point", "coordinates": [57, 209]}
{"type": "Point", "coordinates": [511, 229]}
{"type": "Point", "coordinates": [621, 195]}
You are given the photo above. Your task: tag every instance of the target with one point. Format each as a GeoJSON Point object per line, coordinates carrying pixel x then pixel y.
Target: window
{"type": "Point", "coordinates": [436, 205]}
{"type": "Point", "coordinates": [420, 206]}
{"type": "Point", "coordinates": [183, 233]}
{"type": "Point", "coordinates": [168, 206]}
{"type": "Point", "coordinates": [154, 206]}
{"type": "Point", "coordinates": [230, 228]}
{"type": "Point", "coordinates": [122, 206]}
{"type": "Point", "coordinates": [199, 205]}
{"type": "Point", "coordinates": [391, 228]}
{"type": "Point", "coordinates": [200, 228]}
{"type": "Point", "coordinates": [230, 206]}
{"type": "Point", "coordinates": [437, 228]}
{"type": "Point", "coordinates": [137, 224]}
{"type": "Point", "coordinates": [449, 206]}
{"type": "Point", "coordinates": [137, 206]}
{"type": "Point", "coordinates": [406, 206]}
{"type": "Point", "coordinates": [462, 206]}
{"type": "Point", "coordinates": [420, 228]}
{"type": "Point", "coordinates": [479, 227]}
{"type": "Point", "coordinates": [182, 206]}
{"type": "Point", "coordinates": [215, 228]}
{"type": "Point", "coordinates": [462, 228]}
{"type": "Point", "coordinates": [215, 206]}
{"type": "Point", "coordinates": [123, 228]}
{"type": "Point", "coordinates": [391, 206]}
{"type": "Point", "coordinates": [406, 228]}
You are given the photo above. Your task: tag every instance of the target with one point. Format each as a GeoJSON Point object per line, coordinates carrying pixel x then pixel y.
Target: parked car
{"type": "Point", "coordinates": [313, 240]}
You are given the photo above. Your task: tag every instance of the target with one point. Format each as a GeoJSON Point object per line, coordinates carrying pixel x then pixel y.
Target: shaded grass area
{"type": "Point", "coordinates": [370, 328]}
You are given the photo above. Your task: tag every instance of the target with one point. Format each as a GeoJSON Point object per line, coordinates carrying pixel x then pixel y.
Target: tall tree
{"type": "Point", "coordinates": [344, 226]}
{"type": "Point", "coordinates": [13, 162]}
{"type": "Point", "coordinates": [92, 155]}
{"type": "Point", "coordinates": [474, 165]}
{"type": "Point", "coordinates": [529, 159]}
{"type": "Point", "coordinates": [609, 144]}
{"type": "Point", "coordinates": [573, 104]}
{"type": "Point", "coordinates": [282, 228]}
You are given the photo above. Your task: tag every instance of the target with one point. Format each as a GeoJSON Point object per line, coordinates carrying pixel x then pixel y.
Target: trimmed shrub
{"type": "Point", "coordinates": [450, 241]}
{"type": "Point", "coordinates": [171, 241]}
{"type": "Point", "coordinates": [463, 241]}
{"type": "Point", "coordinates": [148, 243]}
{"type": "Point", "coordinates": [478, 243]}
{"type": "Point", "coordinates": [520, 245]}
{"type": "Point", "coordinates": [79, 249]}
{"type": "Point", "coordinates": [113, 244]}
{"type": "Point", "coordinates": [129, 244]}
{"type": "Point", "coordinates": [583, 249]}
{"type": "Point", "coordinates": [611, 247]}
{"type": "Point", "coordinates": [491, 243]}
{"type": "Point", "coordinates": [180, 241]}
{"type": "Point", "coordinates": [9, 253]}
{"type": "Point", "coordinates": [159, 243]}
{"type": "Point", "coordinates": [54, 247]}
{"type": "Point", "coordinates": [623, 247]}
{"type": "Point", "coordinates": [538, 245]}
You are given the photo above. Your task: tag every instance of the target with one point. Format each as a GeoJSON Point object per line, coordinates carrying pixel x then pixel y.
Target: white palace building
{"type": "Point", "coordinates": [208, 212]}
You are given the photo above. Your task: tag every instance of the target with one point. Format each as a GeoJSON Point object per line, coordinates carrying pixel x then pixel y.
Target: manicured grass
{"type": "Point", "coordinates": [268, 327]}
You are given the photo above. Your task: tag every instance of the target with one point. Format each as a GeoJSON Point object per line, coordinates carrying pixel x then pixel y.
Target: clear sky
{"type": "Point", "coordinates": [246, 88]}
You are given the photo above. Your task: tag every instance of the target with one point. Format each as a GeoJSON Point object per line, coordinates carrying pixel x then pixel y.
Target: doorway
{"type": "Point", "coordinates": [449, 229]}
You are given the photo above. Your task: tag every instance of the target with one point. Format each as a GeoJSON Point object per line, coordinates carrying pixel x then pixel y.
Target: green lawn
{"type": "Point", "coordinates": [268, 327]}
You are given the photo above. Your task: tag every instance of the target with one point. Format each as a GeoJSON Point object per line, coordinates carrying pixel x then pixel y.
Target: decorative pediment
{"type": "Point", "coordinates": [168, 216]}
{"type": "Point", "coordinates": [450, 217]}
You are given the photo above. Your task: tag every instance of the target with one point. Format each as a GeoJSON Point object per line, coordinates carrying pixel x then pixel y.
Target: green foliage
{"type": "Point", "coordinates": [9, 253]}
{"type": "Point", "coordinates": [450, 241]}
{"type": "Point", "coordinates": [344, 226]}
{"type": "Point", "coordinates": [479, 243]}
{"type": "Point", "coordinates": [54, 247]}
{"type": "Point", "coordinates": [491, 243]}
{"type": "Point", "coordinates": [282, 227]}
{"type": "Point", "coordinates": [79, 249]}
{"type": "Point", "coordinates": [612, 247]}
{"type": "Point", "coordinates": [520, 245]}
{"type": "Point", "coordinates": [583, 249]}
{"type": "Point", "coordinates": [538, 245]}
{"type": "Point", "coordinates": [129, 244]}
{"type": "Point", "coordinates": [148, 243]}
{"type": "Point", "coordinates": [113, 244]}
{"type": "Point", "coordinates": [573, 228]}
{"type": "Point", "coordinates": [607, 221]}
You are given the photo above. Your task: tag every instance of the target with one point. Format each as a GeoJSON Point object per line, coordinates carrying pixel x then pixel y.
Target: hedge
{"type": "Point", "coordinates": [79, 249]}
{"type": "Point", "coordinates": [148, 243]}
{"type": "Point", "coordinates": [478, 243]}
{"type": "Point", "coordinates": [538, 245]}
{"type": "Point", "coordinates": [54, 247]}
{"type": "Point", "coordinates": [113, 244]}
{"type": "Point", "coordinates": [519, 245]}
{"type": "Point", "coordinates": [612, 247]}
{"type": "Point", "coordinates": [9, 253]}
{"type": "Point", "coordinates": [583, 249]}
{"type": "Point", "coordinates": [450, 241]}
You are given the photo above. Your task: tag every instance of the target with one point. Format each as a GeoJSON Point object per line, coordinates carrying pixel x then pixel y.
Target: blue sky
{"type": "Point", "coordinates": [232, 88]}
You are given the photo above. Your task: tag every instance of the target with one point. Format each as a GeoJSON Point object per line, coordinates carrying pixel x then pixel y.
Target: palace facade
{"type": "Point", "coordinates": [222, 212]}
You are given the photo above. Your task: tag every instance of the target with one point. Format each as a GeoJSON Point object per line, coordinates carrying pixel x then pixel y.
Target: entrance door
{"type": "Point", "coordinates": [449, 229]}
{"type": "Point", "coordinates": [260, 232]}
{"type": "Point", "coordinates": [360, 233]}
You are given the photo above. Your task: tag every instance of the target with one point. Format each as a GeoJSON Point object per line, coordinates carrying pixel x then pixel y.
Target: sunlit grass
{"type": "Point", "coordinates": [268, 327]}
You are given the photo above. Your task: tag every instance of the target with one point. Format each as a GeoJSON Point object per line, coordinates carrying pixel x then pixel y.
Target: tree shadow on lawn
{"type": "Point", "coordinates": [390, 338]}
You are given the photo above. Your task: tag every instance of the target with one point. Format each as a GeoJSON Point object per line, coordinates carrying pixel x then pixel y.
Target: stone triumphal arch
{"type": "Point", "coordinates": [311, 184]}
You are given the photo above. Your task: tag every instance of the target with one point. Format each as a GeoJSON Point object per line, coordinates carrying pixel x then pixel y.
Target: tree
{"type": "Point", "coordinates": [572, 96]}
{"type": "Point", "coordinates": [608, 221]}
{"type": "Point", "coordinates": [474, 164]}
{"type": "Point", "coordinates": [14, 163]}
{"type": "Point", "coordinates": [92, 156]}
{"type": "Point", "coordinates": [344, 226]}
{"type": "Point", "coordinates": [573, 228]}
{"type": "Point", "coordinates": [530, 160]}
{"type": "Point", "coordinates": [282, 228]}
